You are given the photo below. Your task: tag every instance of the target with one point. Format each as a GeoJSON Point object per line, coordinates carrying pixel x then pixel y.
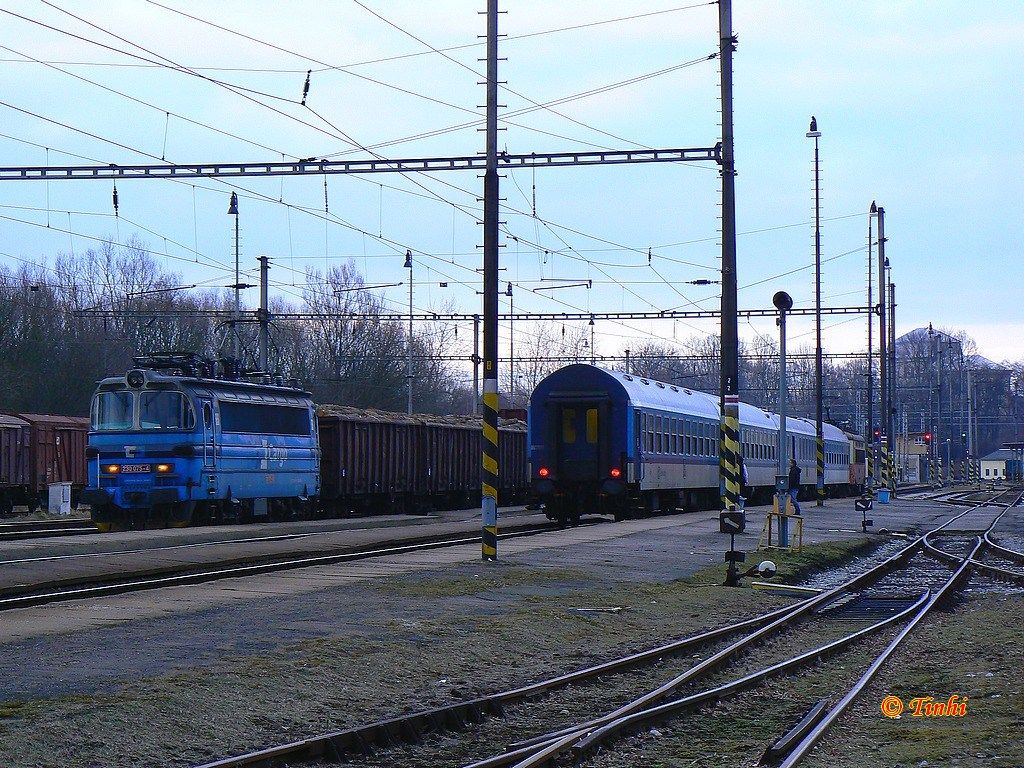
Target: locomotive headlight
{"type": "Point", "coordinates": [111, 469]}
{"type": "Point", "coordinates": [163, 469]}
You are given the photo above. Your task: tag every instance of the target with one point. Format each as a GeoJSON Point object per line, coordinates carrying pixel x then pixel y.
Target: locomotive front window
{"type": "Point", "coordinates": [165, 410]}
{"type": "Point", "coordinates": [112, 411]}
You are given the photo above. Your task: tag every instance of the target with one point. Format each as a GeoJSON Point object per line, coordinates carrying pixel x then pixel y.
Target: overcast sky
{"type": "Point", "coordinates": [919, 105]}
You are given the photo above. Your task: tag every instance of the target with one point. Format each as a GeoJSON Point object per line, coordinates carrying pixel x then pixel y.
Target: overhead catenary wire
{"type": "Point", "coordinates": [569, 250]}
{"type": "Point", "coordinates": [413, 54]}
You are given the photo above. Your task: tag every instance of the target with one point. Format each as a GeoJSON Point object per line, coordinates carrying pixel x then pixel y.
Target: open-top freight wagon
{"type": "Point", "coordinates": [374, 461]}
{"type": "Point", "coordinates": [37, 450]}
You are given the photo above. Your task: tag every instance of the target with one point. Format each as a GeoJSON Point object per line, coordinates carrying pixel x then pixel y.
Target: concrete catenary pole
{"type": "Point", "coordinates": [729, 439]}
{"type": "Point", "coordinates": [489, 480]}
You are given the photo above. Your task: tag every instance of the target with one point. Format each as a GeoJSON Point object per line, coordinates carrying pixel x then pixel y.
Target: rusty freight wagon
{"type": "Point", "coordinates": [37, 450]}
{"type": "Point", "coordinates": [376, 461]}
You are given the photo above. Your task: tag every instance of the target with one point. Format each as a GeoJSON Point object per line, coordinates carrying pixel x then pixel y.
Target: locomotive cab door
{"type": "Point", "coordinates": [209, 434]}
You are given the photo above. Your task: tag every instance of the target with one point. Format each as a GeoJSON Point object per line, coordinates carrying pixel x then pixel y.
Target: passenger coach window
{"type": "Point", "coordinates": [165, 410]}
{"type": "Point", "coordinates": [270, 419]}
{"type": "Point", "coordinates": [592, 425]}
{"type": "Point", "coordinates": [568, 425]}
{"type": "Point", "coordinates": [112, 411]}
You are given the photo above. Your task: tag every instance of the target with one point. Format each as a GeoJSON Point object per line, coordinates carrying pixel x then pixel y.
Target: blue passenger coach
{"type": "Point", "coordinates": [167, 447]}
{"type": "Point", "coordinates": [607, 442]}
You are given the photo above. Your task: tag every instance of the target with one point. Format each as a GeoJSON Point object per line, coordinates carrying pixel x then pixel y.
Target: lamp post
{"type": "Point", "coordinates": [408, 367]}
{"type": "Point", "coordinates": [819, 479]}
{"type": "Point", "coordinates": [894, 400]}
{"type": "Point", "coordinates": [883, 359]}
{"type": "Point", "coordinates": [233, 211]}
{"type": "Point", "coordinates": [870, 436]}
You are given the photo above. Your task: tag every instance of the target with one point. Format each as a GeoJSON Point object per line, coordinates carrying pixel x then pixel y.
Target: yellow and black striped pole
{"type": "Point", "coordinates": [489, 474]}
{"type": "Point", "coordinates": [893, 480]}
{"type": "Point", "coordinates": [489, 489]}
{"type": "Point", "coordinates": [729, 454]}
{"type": "Point", "coordinates": [885, 465]}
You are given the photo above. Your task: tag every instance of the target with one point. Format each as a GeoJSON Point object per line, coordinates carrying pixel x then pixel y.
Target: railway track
{"type": "Point", "coordinates": [44, 529]}
{"type": "Point", "coordinates": [114, 584]}
{"type": "Point", "coordinates": [872, 602]}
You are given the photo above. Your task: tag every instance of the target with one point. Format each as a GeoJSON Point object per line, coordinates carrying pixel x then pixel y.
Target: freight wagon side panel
{"type": "Point", "coordinates": [330, 457]}
{"type": "Point", "coordinates": [71, 460]}
{"type": "Point", "coordinates": [466, 460]}
{"type": "Point", "coordinates": [425, 440]}
{"type": "Point", "coordinates": [511, 464]}
{"type": "Point", "coordinates": [57, 453]}
{"type": "Point", "coordinates": [14, 450]}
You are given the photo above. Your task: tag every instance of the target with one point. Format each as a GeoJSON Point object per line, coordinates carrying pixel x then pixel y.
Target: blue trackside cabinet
{"type": "Point", "coordinates": [172, 444]}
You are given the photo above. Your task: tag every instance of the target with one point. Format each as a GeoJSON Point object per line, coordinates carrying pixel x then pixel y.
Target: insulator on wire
{"type": "Point", "coordinates": [305, 88]}
{"type": "Point", "coordinates": [115, 199]}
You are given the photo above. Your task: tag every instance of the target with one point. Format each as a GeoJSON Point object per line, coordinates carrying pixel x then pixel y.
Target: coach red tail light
{"type": "Point", "coordinates": [616, 473]}
{"type": "Point", "coordinates": [543, 472]}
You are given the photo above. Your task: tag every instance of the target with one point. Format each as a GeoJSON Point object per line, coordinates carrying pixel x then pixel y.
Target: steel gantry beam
{"type": "Point", "coordinates": [464, 317]}
{"type": "Point", "coordinates": [314, 167]}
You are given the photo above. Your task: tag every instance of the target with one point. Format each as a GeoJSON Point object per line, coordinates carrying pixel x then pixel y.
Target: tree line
{"type": "Point", "coordinates": [353, 351]}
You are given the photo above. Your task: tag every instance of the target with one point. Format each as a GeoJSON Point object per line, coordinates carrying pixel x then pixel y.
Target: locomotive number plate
{"type": "Point", "coordinates": [131, 469]}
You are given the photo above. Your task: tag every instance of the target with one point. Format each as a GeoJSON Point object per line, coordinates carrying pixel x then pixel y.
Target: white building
{"type": "Point", "coordinates": [993, 466]}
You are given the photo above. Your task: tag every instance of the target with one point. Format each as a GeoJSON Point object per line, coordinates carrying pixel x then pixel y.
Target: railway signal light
{"type": "Point", "coordinates": [616, 472]}
{"type": "Point", "coordinates": [927, 438]}
{"type": "Point", "coordinates": [878, 434]}
{"type": "Point", "coordinates": [543, 472]}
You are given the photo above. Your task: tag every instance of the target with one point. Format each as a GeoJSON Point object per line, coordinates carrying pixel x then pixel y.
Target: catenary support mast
{"type": "Point", "coordinates": [729, 443]}
{"type": "Point", "coordinates": [489, 506]}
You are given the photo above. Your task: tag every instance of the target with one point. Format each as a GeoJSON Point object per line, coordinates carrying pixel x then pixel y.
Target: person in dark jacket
{"type": "Point", "coordinates": [794, 484]}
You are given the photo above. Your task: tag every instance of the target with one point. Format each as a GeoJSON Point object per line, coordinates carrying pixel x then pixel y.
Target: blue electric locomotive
{"type": "Point", "coordinates": [611, 443]}
{"type": "Point", "coordinates": [172, 445]}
